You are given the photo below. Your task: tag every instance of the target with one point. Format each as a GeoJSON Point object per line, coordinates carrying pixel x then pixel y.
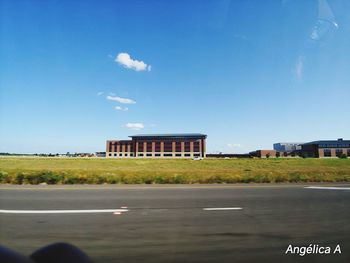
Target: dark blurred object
{"type": "Point", "coordinates": [9, 256]}
{"type": "Point", "coordinates": [54, 253]}
{"type": "Point", "coordinates": [59, 253]}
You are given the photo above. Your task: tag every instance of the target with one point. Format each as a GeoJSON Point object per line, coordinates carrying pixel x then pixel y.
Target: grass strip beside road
{"type": "Point", "coordinates": [16, 170]}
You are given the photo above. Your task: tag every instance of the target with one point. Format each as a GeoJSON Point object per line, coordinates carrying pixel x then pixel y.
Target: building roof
{"type": "Point", "coordinates": [337, 142]}
{"type": "Point", "coordinates": [170, 135]}
{"type": "Point", "coordinates": [287, 143]}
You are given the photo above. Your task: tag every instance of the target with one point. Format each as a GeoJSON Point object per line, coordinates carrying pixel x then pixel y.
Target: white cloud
{"type": "Point", "coordinates": [121, 108]}
{"type": "Point", "coordinates": [234, 145]}
{"type": "Point", "coordinates": [299, 68]}
{"type": "Point", "coordinates": [100, 93]}
{"type": "Point", "coordinates": [134, 126]}
{"type": "Point", "coordinates": [126, 61]}
{"type": "Point", "coordinates": [121, 100]}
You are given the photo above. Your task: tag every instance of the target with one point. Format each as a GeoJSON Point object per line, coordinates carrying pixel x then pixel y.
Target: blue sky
{"type": "Point", "coordinates": [246, 73]}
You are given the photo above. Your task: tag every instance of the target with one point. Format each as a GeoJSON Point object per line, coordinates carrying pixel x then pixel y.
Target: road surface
{"type": "Point", "coordinates": [204, 223]}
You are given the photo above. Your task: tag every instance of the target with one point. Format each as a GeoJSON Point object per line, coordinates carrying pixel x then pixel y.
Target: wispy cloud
{"type": "Point", "coordinates": [299, 68]}
{"type": "Point", "coordinates": [234, 145]}
{"type": "Point", "coordinates": [121, 108]}
{"type": "Point", "coordinates": [100, 93]}
{"type": "Point", "coordinates": [121, 100]}
{"type": "Point", "coordinates": [126, 61]}
{"type": "Point", "coordinates": [135, 126]}
{"type": "Point", "coordinates": [326, 25]}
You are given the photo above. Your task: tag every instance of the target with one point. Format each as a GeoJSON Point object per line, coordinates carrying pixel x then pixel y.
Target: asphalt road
{"type": "Point", "coordinates": [169, 223]}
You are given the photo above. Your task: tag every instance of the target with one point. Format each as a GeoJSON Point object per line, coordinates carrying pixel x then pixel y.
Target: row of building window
{"type": "Point", "coordinates": [113, 147]}
{"type": "Point", "coordinates": [329, 145]}
{"type": "Point", "coordinates": [121, 154]}
{"type": "Point", "coordinates": [168, 146]}
{"type": "Point", "coordinates": [151, 155]}
{"type": "Point", "coordinates": [167, 155]}
{"type": "Point", "coordinates": [338, 152]}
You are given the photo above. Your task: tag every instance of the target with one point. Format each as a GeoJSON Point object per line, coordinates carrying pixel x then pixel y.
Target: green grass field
{"type": "Point", "coordinates": [15, 170]}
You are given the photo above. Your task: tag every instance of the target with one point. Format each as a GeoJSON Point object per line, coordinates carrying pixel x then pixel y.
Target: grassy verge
{"type": "Point", "coordinates": [170, 171]}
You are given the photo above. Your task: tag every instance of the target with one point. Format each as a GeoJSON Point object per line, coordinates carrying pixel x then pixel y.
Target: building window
{"type": "Point", "coordinates": [178, 155]}
{"type": "Point", "coordinates": [327, 153]}
{"type": "Point", "coordinates": [131, 154]}
{"type": "Point", "coordinates": [120, 154]}
{"type": "Point", "coordinates": [168, 154]}
{"type": "Point", "coordinates": [149, 154]}
{"type": "Point", "coordinates": [178, 146]}
{"type": "Point", "coordinates": [140, 154]}
{"type": "Point", "coordinates": [140, 147]}
{"type": "Point", "coordinates": [157, 146]}
{"type": "Point", "coordinates": [157, 155]}
{"type": "Point", "coordinates": [187, 155]}
{"type": "Point", "coordinates": [109, 154]}
{"type": "Point", "coordinates": [196, 146]}
{"type": "Point", "coordinates": [338, 152]}
{"type": "Point", "coordinates": [168, 146]}
{"type": "Point", "coordinates": [187, 146]}
{"type": "Point", "coordinates": [149, 147]}
{"type": "Point", "coordinates": [126, 155]}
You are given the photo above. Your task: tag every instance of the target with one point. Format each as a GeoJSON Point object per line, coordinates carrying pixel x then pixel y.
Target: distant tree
{"type": "Point", "coordinates": [268, 155]}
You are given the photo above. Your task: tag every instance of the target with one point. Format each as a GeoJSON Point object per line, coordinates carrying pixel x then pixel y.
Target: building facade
{"type": "Point", "coordinates": [287, 146]}
{"type": "Point", "coordinates": [188, 145]}
{"type": "Point", "coordinates": [330, 148]}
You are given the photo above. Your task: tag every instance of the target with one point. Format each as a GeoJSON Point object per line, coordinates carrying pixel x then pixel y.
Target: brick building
{"type": "Point", "coordinates": [330, 148]}
{"type": "Point", "coordinates": [263, 153]}
{"type": "Point", "coordinates": [186, 145]}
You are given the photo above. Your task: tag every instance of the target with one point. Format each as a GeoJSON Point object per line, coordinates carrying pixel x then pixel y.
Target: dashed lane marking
{"type": "Point", "coordinates": [328, 188]}
{"type": "Point", "coordinates": [221, 208]}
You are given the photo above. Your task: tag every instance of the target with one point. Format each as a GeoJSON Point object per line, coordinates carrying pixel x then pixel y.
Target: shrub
{"type": "Point", "coordinates": [343, 156]}
{"type": "Point", "coordinates": [3, 177]}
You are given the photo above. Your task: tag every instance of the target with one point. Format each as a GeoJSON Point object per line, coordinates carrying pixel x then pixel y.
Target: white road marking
{"type": "Point", "coordinates": [328, 187]}
{"type": "Point", "coordinates": [221, 208]}
{"type": "Point", "coordinates": [63, 211]}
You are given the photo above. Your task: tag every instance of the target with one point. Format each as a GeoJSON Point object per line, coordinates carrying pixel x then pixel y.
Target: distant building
{"type": "Point", "coordinates": [330, 148]}
{"type": "Point", "coordinates": [263, 153]}
{"type": "Point", "coordinates": [287, 146]}
{"type": "Point", "coordinates": [100, 154]}
{"type": "Point", "coordinates": [187, 145]}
